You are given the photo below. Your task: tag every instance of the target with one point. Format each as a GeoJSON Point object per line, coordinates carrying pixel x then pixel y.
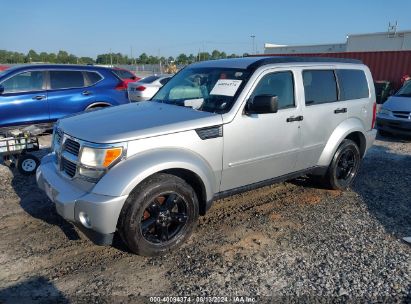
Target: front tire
{"type": "Point", "coordinates": [344, 166]}
{"type": "Point", "coordinates": [159, 215]}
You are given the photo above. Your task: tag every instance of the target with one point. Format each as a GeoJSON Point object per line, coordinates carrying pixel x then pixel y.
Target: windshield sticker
{"type": "Point", "coordinates": [226, 87]}
{"type": "Point", "coordinates": [194, 103]}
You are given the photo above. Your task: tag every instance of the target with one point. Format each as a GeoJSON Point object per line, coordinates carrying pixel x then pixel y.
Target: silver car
{"type": "Point", "coordinates": [395, 114]}
{"type": "Point", "coordinates": [147, 87]}
{"type": "Point", "coordinates": [148, 170]}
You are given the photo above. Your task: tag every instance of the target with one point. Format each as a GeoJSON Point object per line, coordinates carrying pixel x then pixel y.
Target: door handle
{"type": "Point", "coordinates": [39, 97]}
{"type": "Point", "coordinates": [86, 93]}
{"type": "Point", "coordinates": [342, 110]}
{"type": "Point", "coordinates": [295, 118]}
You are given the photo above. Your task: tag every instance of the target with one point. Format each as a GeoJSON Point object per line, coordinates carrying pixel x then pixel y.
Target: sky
{"type": "Point", "coordinates": [168, 28]}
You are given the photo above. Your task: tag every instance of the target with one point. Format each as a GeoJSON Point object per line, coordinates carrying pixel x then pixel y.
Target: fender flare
{"type": "Point", "coordinates": [126, 175]}
{"type": "Point", "coordinates": [98, 103]}
{"type": "Point", "coordinates": [341, 132]}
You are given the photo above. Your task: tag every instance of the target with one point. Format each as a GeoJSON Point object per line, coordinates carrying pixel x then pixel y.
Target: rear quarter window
{"type": "Point", "coordinates": [149, 79]}
{"type": "Point", "coordinates": [352, 83]}
{"type": "Point", "coordinates": [93, 77]}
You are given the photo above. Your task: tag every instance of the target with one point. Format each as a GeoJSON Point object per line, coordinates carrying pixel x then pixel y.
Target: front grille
{"type": "Point", "coordinates": [402, 114]}
{"type": "Point", "coordinates": [68, 167]}
{"type": "Point", "coordinates": [72, 147]}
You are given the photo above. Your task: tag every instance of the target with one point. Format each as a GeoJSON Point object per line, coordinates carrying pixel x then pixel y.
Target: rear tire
{"type": "Point", "coordinates": [344, 166]}
{"type": "Point", "coordinates": [159, 215]}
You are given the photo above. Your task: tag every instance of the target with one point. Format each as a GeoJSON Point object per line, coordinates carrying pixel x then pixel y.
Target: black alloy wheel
{"type": "Point", "coordinates": [159, 215]}
{"type": "Point", "coordinates": [164, 218]}
{"type": "Point", "coordinates": [344, 166]}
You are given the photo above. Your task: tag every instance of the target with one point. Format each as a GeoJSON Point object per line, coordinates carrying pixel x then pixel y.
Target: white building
{"type": "Point", "coordinates": [384, 41]}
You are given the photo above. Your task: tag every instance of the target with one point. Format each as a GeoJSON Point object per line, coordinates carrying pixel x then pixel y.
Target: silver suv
{"type": "Point", "coordinates": [148, 170]}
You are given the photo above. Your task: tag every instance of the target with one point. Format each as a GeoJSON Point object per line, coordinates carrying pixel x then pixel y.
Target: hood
{"type": "Point", "coordinates": [396, 103]}
{"type": "Point", "coordinates": [135, 121]}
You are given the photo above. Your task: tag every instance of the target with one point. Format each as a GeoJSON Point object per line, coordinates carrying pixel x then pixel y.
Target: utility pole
{"type": "Point", "coordinates": [111, 58]}
{"type": "Point", "coordinates": [253, 38]}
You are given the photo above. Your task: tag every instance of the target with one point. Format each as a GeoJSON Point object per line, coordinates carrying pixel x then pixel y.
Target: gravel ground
{"type": "Point", "coordinates": [290, 242]}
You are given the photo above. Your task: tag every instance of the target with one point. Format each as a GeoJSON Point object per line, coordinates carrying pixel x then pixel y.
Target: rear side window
{"type": "Point", "coordinates": [24, 82]}
{"type": "Point", "coordinates": [164, 80]}
{"type": "Point", "coordinates": [93, 77]}
{"type": "Point", "coordinates": [149, 79]}
{"type": "Point", "coordinates": [66, 79]}
{"type": "Point", "coordinates": [278, 84]}
{"type": "Point", "coordinates": [353, 84]}
{"type": "Point", "coordinates": [319, 86]}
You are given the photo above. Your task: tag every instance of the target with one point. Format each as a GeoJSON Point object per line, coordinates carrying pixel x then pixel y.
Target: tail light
{"type": "Point", "coordinates": [140, 88]}
{"type": "Point", "coordinates": [374, 115]}
{"type": "Point", "coordinates": [122, 86]}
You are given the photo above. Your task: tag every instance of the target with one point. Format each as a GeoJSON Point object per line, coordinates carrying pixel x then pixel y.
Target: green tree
{"type": "Point", "coordinates": [32, 56]}
{"type": "Point", "coordinates": [182, 59]}
{"type": "Point", "coordinates": [62, 57]}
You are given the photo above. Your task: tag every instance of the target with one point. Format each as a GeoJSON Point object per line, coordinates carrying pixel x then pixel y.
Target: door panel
{"type": "Point", "coordinates": [258, 147]}
{"type": "Point", "coordinates": [322, 114]}
{"type": "Point", "coordinates": [67, 93]}
{"type": "Point", "coordinates": [24, 100]}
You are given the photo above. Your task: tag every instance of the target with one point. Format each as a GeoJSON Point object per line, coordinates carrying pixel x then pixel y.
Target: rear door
{"type": "Point", "coordinates": [322, 110]}
{"type": "Point", "coordinates": [24, 100]}
{"type": "Point", "coordinates": [68, 92]}
{"type": "Point", "coordinates": [354, 90]}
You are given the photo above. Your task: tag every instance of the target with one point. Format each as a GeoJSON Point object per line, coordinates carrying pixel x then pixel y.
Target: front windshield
{"type": "Point", "coordinates": [405, 90]}
{"type": "Point", "coordinates": [205, 89]}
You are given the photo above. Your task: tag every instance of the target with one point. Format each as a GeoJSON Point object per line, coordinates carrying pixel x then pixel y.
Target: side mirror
{"type": "Point", "coordinates": [262, 104]}
{"type": "Point", "coordinates": [1, 89]}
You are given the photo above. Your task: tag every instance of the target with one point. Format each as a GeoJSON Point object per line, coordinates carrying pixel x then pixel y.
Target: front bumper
{"type": "Point", "coordinates": [394, 125]}
{"type": "Point", "coordinates": [74, 200]}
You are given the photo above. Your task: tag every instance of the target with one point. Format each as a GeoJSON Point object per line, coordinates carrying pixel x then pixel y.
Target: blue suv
{"type": "Point", "coordinates": [37, 94]}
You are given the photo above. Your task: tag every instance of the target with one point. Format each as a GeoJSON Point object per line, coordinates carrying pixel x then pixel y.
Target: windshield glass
{"type": "Point", "coordinates": [405, 90]}
{"type": "Point", "coordinates": [205, 89]}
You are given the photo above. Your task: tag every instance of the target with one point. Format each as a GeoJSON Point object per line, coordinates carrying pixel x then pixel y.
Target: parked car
{"type": "Point", "coordinates": [215, 129]}
{"type": "Point", "coordinates": [34, 94]}
{"type": "Point", "coordinates": [3, 67]}
{"type": "Point", "coordinates": [395, 114]}
{"type": "Point", "coordinates": [125, 75]}
{"type": "Point", "coordinates": [147, 87]}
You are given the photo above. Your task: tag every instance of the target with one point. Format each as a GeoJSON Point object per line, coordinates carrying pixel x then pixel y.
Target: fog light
{"type": "Point", "coordinates": [84, 219]}
{"type": "Point", "coordinates": [91, 174]}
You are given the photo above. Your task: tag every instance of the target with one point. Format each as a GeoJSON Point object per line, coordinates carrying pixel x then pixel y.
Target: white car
{"type": "Point", "coordinates": [145, 88]}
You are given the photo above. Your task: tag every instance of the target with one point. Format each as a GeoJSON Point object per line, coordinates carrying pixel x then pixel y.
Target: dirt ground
{"type": "Point", "coordinates": [288, 241]}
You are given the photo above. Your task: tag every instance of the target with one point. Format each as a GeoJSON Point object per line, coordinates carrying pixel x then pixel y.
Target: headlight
{"type": "Point", "coordinates": [100, 157]}
{"type": "Point", "coordinates": [385, 112]}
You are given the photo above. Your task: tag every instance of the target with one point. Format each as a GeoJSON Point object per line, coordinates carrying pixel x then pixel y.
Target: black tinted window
{"type": "Point", "coordinates": [164, 80]}
{"type": "Point", "coordinates": [149, 79]}
{"type": "Point", "coordinates": [93, 77]}
{"type": "Point", "coordinates": [353, 84]}
{"type": "Point", "coordinates": [278, 84]}
{"type": "Point", "coordinates": [66, 79]}
{"type": "Point", "coordinates": [319, 86]}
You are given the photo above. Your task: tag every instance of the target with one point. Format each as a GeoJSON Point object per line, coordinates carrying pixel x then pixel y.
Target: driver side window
{"type": "Point", "coordinates": [24, 82]}
{"type": "Point", "coordinates": [280, 84]}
